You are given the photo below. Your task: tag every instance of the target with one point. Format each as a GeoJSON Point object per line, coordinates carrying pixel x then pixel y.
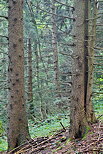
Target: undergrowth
{"type": "Point", "coordinates": [42, 128]}
{"type": "Point", "coordinates": [48, 127]}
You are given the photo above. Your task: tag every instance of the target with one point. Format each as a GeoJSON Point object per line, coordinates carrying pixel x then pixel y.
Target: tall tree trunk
{"type": "Point", "coordinates": [39, 85]}
{"type": "Point", "coordinates": [17, 119]}
{"type": "Point", "coordinates": [78, 122]}
{"type": "Point", "coordinates": [91, 43]}
{"type": "Point", "coordinates": [30, 93]}
{"type": "Point", "coordinates": [54, 46]}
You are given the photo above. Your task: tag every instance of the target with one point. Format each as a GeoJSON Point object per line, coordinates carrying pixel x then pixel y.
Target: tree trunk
{"type": "Point", "coordinates": [78, 122]}
{"type": "Point", "coordinates": [30, 93]}
{"type": "Point", "coordinates": [54, 46]}
{"type": "Point", "coordinates": [17, 119]}
{"type": "Point", "coordinates": [91, 43]}
{"type": "Point", "coordinates": [39, 85]}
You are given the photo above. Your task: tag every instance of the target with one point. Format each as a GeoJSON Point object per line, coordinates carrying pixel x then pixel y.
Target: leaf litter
{"type": "Point", "coordinates": [60, 143]}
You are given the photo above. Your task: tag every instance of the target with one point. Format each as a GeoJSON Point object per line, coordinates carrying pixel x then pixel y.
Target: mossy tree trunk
{"type": "Point", "coordinates": [17, 120]}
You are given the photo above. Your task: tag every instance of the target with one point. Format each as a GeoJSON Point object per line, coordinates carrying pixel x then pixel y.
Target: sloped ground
{"type": "Point", "coordinates": [60, 144]}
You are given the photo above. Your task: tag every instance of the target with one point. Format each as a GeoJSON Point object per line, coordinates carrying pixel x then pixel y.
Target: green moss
{"type": "Point", "coordinates": [68, 140]}
{"type": "Point", "coordinates": [86, 132]}
{"type": "Point", "coordinates": [1, 129]}
{"type": "Point", "coordinates": [59, 148]}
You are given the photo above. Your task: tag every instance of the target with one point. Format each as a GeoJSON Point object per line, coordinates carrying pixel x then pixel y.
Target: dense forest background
{"type": "Point", "coordinates": [48, 64]}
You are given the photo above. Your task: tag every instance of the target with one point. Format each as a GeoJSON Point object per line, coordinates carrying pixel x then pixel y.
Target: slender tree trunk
{"type": "Point", "coordinates": [17, 119]}
{"type": "Point", "coordinates": [30, 93]}
{"type": "Point", "coordinates": [86, 16]}
{"type": "Point", "coordinates": [54, 46]}
{"type": "Point", "coordinates": [78, 122]}
{"type": "Point", "coordinates": [91, 43]}
{"type": "Point", "coordinates": [39, 85]}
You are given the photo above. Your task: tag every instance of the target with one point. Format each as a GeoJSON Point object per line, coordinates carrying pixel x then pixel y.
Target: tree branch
{"type": "Point", "coordinates": [65, 4]}
{"type": "Point", "coordinates": [4, 17]}
{"type": "Point", "coordinates": [4, 36]}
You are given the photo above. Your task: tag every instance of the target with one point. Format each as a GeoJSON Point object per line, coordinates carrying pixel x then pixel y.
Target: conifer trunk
{"type": "Point", "coordinates": [54, 46]}
{"type": "Point", "coordinates": [91, 43]}
{"type": "Point", "coordinates": [17, 120]}
{"type": "Point", "coordinates": [78, 122]}
{"type": "Point", "coordinates": [30, 93]}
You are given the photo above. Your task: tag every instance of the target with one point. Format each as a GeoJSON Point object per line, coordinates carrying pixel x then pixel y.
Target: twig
{"type": "Point", "coordinates": [4, 17]}
{"type": "Point", "coordinates": [4, 36]}
{"type": "Point", "coordinates": [97, 150]}
{"type": "Point", "coordinates": [65, 5]}
{"type": "Point", "coordinates": [17, 148]}
{"type": "Point", "coordinates": [54, 13]}
{"type": "Point", "coordinates": [35, 146]}
{"type": "Point", "coordinates": [63, 126]}
{"type": "Point", "coordinates": [99, 134]}
{"type": "Point", "coordinates": [100, 116]}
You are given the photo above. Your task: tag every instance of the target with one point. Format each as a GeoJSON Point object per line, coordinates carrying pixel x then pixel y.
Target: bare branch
{"type": "Point", "coordinates": [65, 4]}
{"type": "Point", "coordinates": [4, 36]}
{"type": "Point", "coordinates": [4, 17]}
{"type": "Point", "coordinates": [54, 13]}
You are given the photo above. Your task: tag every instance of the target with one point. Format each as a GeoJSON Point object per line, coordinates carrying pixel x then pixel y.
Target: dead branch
{"type": "Point", "coordinates": [54, 13]}
{"type": "Point", "coordinates": [65, 5]}
{"type": "Point", "coordinates": [4, 36]}
{"type": "Point", "coordinates": [63, 126]}
{"type": "Point", "coordinates": [4, 17]}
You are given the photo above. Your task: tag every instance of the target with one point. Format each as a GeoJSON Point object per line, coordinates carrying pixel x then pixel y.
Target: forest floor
{"type": "Point", "coordinates": [59, 143]}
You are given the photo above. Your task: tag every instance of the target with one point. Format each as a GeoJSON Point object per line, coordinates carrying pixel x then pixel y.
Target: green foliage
{"type": "Point", "coordinates": [1, 129]}
{"type": "Point", "coordinates": [48, 127]}
{"type": "Point", "coordinates": [44, 128]}
{"type": "Point", "coordinates": [3, 144]}
{"type": "Point", "coordinates": [68, 141]}
{"type": "Point", "coordinates": [38, 26]}
{"type": "Point", "coordinates": [86, 132]}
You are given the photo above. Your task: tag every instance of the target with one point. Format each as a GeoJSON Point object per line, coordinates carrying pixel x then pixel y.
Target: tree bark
{"type": "Point", "coordinates": [91, 43]}
{"type": "Point", "coordinates": [39, 85]}
{"type": "Point", "coordinates": [54, 46]}
{"type": "Point", "coordinates": [78, 121]}
{"type": "Point", "coordinates": [30, 93]}
{"type": "Point", "coordinates": [17, 120]}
